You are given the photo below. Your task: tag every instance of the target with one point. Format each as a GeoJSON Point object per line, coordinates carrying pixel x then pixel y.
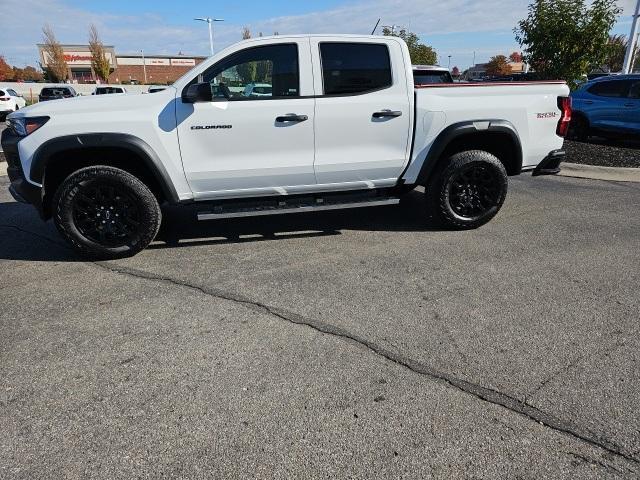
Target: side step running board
{"type": "Point", "coordinates": [228, 211]}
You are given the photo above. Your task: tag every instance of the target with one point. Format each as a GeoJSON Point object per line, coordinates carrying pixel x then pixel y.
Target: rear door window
{"type": "Point", "coordinates": [634, 91]}
{"type": "Point", "coordinates": [355, 68]}
{"type": "Point", "coordinates": [610, 88]}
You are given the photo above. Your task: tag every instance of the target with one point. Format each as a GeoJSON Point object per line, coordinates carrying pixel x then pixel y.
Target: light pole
{"type": "Point", "coordinates": [449, 65]}
{"type": "Point", "coordinates": [631, 44]}
{"type": "Point", "coordinates": [210, 21]}
{"type": "Point", "coordinates": [144, 67]}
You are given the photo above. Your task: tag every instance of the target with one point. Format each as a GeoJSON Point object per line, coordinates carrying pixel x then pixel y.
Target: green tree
{"type": "Point", "coordinates": [562, 39]}
{"type": "Point", "coordinates": [57, 69]}
{"type": "Point", "coordinates": [99, 61]}
{"type": "Point", "coordinates": [617, 49]}
{"type": "Point", "coordinates": [421, 54]}
{"type": "Point", "coordinates": [498, 65]}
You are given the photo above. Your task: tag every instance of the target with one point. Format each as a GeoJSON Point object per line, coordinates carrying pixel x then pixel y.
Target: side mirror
{"type": "Point", "coordinates": [198, 92]}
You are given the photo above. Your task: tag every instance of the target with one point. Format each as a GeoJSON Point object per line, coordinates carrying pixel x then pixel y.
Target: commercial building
{"type": "Point", "coordinates": [479, 70]}
{"type": "Point", "coordinates": [125, 68]}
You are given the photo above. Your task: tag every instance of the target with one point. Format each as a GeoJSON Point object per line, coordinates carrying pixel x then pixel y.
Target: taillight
{"type": "Point", "coordinates": [564, 104]}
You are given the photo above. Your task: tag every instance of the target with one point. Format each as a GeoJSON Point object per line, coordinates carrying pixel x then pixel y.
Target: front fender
{"type": "Point", "coordinates": [135, 145]}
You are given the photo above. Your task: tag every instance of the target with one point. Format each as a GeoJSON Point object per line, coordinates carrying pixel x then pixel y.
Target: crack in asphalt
{"type": "Point", "coordinates": [591, 461]}
{"type": "Point", "coordinates": [561, 371]}
{"type": "Point", "coordinates": [483, 393]}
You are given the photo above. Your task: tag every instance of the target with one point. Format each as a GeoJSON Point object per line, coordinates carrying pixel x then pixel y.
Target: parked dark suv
{"type": "Point", "coordinates": [55, 93]}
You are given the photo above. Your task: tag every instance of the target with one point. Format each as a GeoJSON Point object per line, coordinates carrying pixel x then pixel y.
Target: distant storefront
{"type": "Point", "coordinates": [126, 68]}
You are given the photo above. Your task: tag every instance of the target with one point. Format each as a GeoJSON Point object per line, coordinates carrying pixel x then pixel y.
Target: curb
{"type": "Point", "coordinates": [593, 172]}
{"type": "Point", "coordinates": [3, 169]}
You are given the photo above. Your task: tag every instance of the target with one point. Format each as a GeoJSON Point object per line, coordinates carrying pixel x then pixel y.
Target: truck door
{"type": "Point", "coordinates": [256, 137]}
{"type": "Point", "coordinates": [363, 118]}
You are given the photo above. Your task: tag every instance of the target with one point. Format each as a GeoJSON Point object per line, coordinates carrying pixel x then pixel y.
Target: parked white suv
{"type": "Point", "coordinates": [10, 101]}
{"type": "Point", "coordinates": [431, 74]}
{"type": "Point", "coordinates": [342, 127]}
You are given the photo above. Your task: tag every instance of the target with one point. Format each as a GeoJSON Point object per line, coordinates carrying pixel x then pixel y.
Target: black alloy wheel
{"type": "Point", "coordinates": [467, 189]}
{"type": "Point", "coordinates": [474, 190]}
{"type": "Point", "coordinates": [106, 213]}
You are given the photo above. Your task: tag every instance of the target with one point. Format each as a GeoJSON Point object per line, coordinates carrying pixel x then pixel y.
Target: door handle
{"type": "Point", "coordinates": [291, 118]}
{"type": "Point", "coordinates": [387, 114]}
{"type": "Point", "coordinates": [629, 105]}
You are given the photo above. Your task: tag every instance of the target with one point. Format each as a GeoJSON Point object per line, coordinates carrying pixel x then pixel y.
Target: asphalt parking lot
{"type": "Point", "coordinates": [361, 344]}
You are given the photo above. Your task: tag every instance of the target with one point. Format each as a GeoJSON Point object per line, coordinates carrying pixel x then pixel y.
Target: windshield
{"type": "Point", "coordinates": [425, 77]}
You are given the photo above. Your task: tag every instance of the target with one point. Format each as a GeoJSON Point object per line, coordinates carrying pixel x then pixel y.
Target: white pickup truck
{"type": "Point", "coordinates": [338, 125]}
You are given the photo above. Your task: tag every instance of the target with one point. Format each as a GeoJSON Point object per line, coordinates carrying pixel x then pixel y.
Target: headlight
{"type": "Point", "coordinates": [25, 126]}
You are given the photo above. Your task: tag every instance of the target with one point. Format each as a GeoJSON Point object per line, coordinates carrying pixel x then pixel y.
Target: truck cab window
{"type": "Point", "coordinates": [353, 68]}
{"type": "Point", "coordinates": [257, 73]}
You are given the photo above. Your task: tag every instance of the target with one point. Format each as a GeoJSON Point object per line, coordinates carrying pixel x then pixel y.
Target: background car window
{"type": "Point", "coordinates": [12, 92]}
{"type": "Point", "coordinates": [350, 68]}
{"type": "Point", "coordinates": [634, 91]}
{"type": "Point", "coordinates": [611, 88]}
{"type": "Point", "coordinates": [2, 94]}
{"type": "Point", "coordinates": [256, 74]}
{"type": "Point", "coordinates": [427, 78]}
{"type": "Point", "coordinates": [108, 90]}
{"type": "Point", "coordinates": [54, 91]}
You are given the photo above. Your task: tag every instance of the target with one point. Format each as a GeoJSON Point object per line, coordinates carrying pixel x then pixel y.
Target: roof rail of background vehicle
{"type": "Point", "coordinates": [314, 35]}
{"type": "Point", "coordinates": [616, 76]}
{"type": "Point", "coordinates": [491, 84]}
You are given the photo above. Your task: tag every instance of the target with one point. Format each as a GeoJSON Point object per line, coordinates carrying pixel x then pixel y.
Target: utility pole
{"type": "Point", "coordinates": [631, 44]}
{"type": "Point", "coordinates": [144, 67]}
{"type": "Point", "coordinates": [449, 65]}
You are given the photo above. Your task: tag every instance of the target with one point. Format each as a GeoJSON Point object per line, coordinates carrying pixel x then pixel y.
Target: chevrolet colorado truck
{"type": "Point", "coordinates": [340, 125]}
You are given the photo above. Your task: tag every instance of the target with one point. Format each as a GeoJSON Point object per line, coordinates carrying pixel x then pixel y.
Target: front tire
{"type": "Point", "coordinates": [468, 190]}
{"type": "Point", "coordinates": [106, 213]}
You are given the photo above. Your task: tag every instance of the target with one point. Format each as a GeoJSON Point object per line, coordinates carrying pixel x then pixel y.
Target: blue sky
{"type": "Point", "coordinates": [452, 27]}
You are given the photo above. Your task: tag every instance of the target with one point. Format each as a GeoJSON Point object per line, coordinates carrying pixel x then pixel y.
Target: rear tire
{"type": "Point", "coordinates": [468, 189]}
{"type": "Point", "coordinates": [106, 213]}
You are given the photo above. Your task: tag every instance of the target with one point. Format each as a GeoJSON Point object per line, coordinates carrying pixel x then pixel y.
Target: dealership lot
{"type": "Point", "coordinates": [351, 344]}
